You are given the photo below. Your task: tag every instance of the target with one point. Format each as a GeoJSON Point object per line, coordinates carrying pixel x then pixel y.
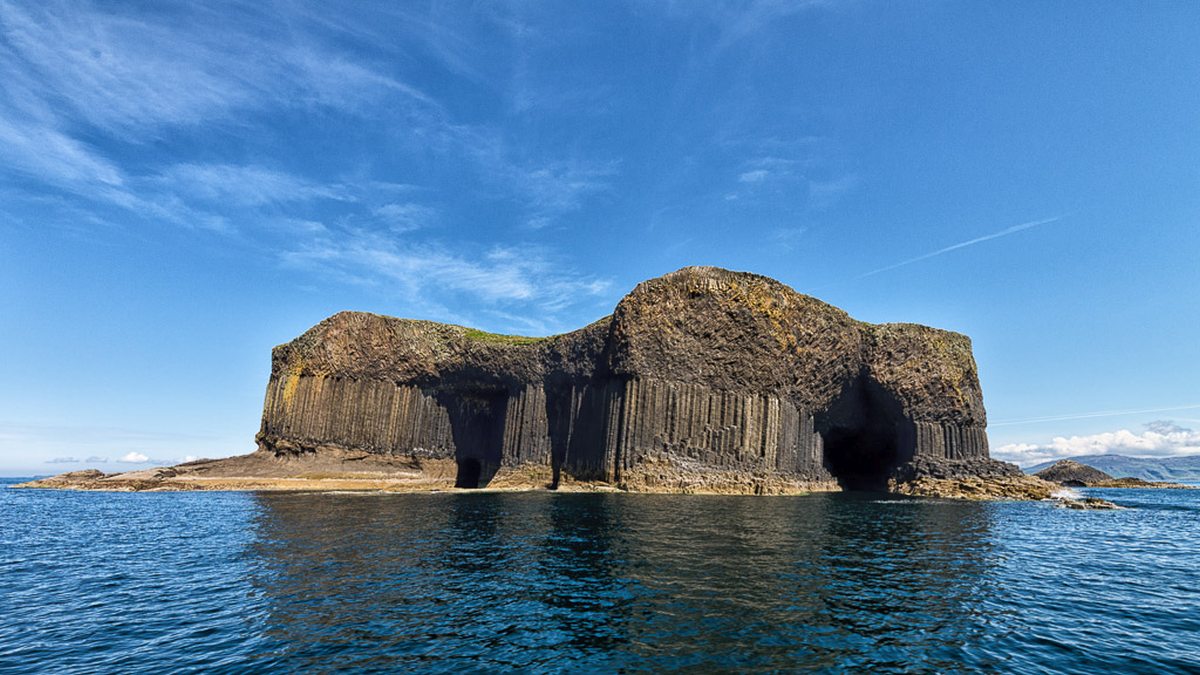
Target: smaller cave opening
{"type": "Point", "coordinates": [469, 471]}
{"type": "Point", "coordinates": [476, 417]}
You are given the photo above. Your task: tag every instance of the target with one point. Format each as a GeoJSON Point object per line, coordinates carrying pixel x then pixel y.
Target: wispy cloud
{"type": "Point", "coordinates": [1089, 415]}
{"type": "Point", "coordinates": [77, 75]}
{"type": "Point", "coordinates": [336, 81]}
{"type": "Point", "coordinates": [557, 189]}
{"type": "Point", "coordinates": [406, 216]}
{"type": "Point", "coordinates": [229, 184]}
{"type": "Point", "coordinates": [426, 274]}
{"type": "Point", "coordinates": [809, 171]}
{"type": "Point", "coordinates": [122, 115]}
{"type": "Point", "coordinates": [44, 153]}
{"type": "Point", "coordinates": [825, 193]}
{"type": "Point", "coordinates": [962, 244]}
{"type": "Point", "coordinates": [1161, 438]}
{"type": "Point", "coordinates": [785, 239]}
{"type": "Point", "coordinates": [130, 73]}
{"type": "Point", "coordinates": [736, 20]}
{"type": "Point", "coordinates": [116, 72]}
{"type": "Point", "coordinates": [405, 29]}
{"type": "Point", "coordinates": [76, 71]}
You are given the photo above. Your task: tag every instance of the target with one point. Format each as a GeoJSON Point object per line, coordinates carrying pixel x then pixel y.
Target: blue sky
{"type": "Point", "coordinates": [183, 187]}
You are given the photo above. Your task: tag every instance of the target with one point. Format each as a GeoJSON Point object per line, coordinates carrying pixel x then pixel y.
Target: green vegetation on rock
{"type": "Point", "coordinates": [497, 338]}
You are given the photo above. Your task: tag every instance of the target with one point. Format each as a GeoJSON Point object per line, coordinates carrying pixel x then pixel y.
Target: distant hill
{"type": "Point", "coordinates": [1147, 468]}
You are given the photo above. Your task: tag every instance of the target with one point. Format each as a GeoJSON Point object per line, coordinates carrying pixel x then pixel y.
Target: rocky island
{"type": "Point", "coordinates": [1070, 473]}
{"type": "Point", "coordinates": [703, 380]}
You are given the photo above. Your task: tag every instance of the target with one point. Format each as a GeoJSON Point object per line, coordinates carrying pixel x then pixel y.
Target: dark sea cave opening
{"type": "Point", "coordinates": [865, 436]}
{"type": "Point", "coordinates": [860, 459]}
{"type": "Point", "coordinates": [469, 471]}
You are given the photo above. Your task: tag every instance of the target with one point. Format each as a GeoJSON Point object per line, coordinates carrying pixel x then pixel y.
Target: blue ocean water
{"type": "Point", "coordinates": [242, 582]}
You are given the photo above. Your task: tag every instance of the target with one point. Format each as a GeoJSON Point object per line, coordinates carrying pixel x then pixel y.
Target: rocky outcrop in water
{"type": "Point", "coordinates": [1185, 468]}
{"type": "Point", "coordinates": [1072, 474]}
{"type": "Point", "coordinates": [701, 380]}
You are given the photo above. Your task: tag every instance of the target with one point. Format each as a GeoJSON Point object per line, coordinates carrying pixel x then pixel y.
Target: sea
{"type": "Point", "coordinates": [229, 582]}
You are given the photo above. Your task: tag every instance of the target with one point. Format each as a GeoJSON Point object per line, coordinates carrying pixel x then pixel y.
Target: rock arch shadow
{"type": "Point", "coordinates": [865, 435]}
{"type": "Point", "coordinates": [477, 426]}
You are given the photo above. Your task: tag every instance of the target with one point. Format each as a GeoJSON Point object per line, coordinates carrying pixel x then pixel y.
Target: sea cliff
{"type": "Point", "coordinates": [703, 380]}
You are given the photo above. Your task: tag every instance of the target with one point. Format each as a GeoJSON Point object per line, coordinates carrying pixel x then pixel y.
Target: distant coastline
{"type": "Point", "coordinates": [1183, 469]}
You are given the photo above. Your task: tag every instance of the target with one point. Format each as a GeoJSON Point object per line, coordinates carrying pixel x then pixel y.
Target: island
{"type": "Point", "coordinates": [704, 380]}
{"type": "Point", "coordinates": [1070, 473]}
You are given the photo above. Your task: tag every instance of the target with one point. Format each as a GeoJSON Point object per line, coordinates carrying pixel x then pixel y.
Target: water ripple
{"type": "Point", "coordinates": [226, 582]}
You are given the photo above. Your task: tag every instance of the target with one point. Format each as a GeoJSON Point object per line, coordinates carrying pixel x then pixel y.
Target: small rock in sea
{"type": "Point", "coordinates": [1087, 504]}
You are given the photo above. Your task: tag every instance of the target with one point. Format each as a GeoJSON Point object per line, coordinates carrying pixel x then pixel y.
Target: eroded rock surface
{"type": "Point", "coordinates": [1088, 504]}
{"type": "Point", "coordinates": [1072, 474]}
{"type": "Point", "coordinates": [701, 380]}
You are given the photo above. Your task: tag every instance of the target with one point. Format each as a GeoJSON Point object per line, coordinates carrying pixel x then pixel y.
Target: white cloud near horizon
{"type": "Point", "coordinates": [25, 447]}
{"type": "Point", "coordinates": [1161, 438]}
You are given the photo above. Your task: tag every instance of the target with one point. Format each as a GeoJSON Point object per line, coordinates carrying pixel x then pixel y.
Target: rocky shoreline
{"type": "Point", "coordinates": [341, 470]}
{"type": "Point", "coordinates": [355, 471]}
{"type": "Point", "coordinates": [350, 471]}
{"type": "Point", "coordinates": [199, 476]}
{"type": "Point", "coordinates": [702, 381]}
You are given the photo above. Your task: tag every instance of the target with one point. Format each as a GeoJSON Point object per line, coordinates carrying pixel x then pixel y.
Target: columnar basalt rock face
{"type": "Point", "coordinates": [701, 380]}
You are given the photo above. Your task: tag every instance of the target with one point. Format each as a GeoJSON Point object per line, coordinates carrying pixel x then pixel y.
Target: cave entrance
{"type": "Point", "coordinates": [865, 436]}
{"type": "Point", "coordinates": [476, 419]}
{"type": "Point", "coordinates": [860, 459]}
{"type": "Point", "coordinates": [469, 471]}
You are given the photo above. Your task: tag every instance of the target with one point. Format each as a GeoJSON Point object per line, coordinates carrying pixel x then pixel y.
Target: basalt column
{"type": "Point", "coordinates": [703, 379]}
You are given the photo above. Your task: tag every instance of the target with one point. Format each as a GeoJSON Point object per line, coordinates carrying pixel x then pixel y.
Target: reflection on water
{"type": "Point", "coordinates": [608, 581]}
{"type": "Point", "coordinates": [235, 583]}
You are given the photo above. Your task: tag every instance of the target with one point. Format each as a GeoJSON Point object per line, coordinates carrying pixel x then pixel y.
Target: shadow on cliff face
{"type": "Point", "coordinates": [578, 435]}
{"type": "Point", "coordinates": [477, 425]}
{"type": "Point", "coordinates": [865, 435]}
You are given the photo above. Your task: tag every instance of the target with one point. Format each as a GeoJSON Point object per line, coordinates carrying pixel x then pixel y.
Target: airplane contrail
{"type": "Point", "coordinates": [1080, 416]}
{"type": "Point", "coordinates": [963, 244]}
